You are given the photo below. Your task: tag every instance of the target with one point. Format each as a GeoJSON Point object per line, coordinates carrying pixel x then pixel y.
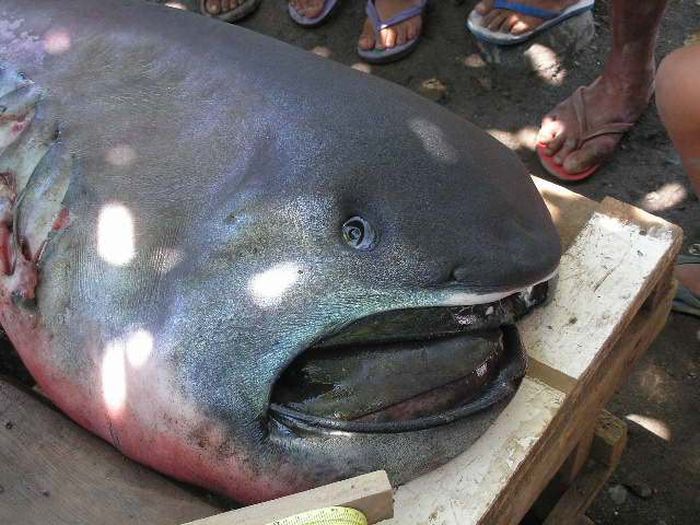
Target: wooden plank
{"type": "Point", "coordinates": [54, 472]}
{"type": "Point", "coordinates": [570, 211]}
{"type": "Point", "coordinates": [581, 405]}
{"type": "Point", "coordinates": [608, 445]}
{"type": "Point", "coordinates": [371, 494]}
{"type": "Point", "coordinates": [604, 277]}
{"type": "Point", "coordinates": [610, 439]}
{"type": "Point", "coordinates": [607, 442]}
{"type": "Point", "coordinates": [579, 497]}
{"type": "Point", "coordinates": [461, 491]}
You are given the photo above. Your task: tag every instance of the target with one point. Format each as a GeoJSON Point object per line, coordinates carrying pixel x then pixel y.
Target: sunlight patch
{"type": "Point", "coordinates": [115, 234]}
{"type": "Point", "coordinates": [653, 425]}
{"type": "Point", "coordinates": [666, 197]}
{"type": "Point", "coordinates": [57, 41]}
{"type": "Point", "coordinates": [273, 283]}
{"type": "Point", "coordinates": [434, 141]}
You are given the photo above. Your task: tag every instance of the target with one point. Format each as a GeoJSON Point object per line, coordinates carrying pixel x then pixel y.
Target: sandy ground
{"type": "Point", "coordinates": [664, 386]}
{"type": "Point", "coordinates": [646, 172]}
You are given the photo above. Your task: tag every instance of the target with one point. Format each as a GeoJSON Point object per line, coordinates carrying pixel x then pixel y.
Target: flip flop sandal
{"type": "Point", "coordinates": [584, 135]}
{"type": "Point", "coordinates": [685, 301]}
{"type": "Point", "coordinates": [234, 15]}
{"type": "Point", "coordinates": [475, 22]}
{"type": "Point", "coordinates": [329, 7]}
{"type": "Point", "coordinates": [384, 56]}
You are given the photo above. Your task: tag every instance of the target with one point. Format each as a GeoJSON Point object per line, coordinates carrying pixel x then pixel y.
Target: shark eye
{"type": "Point", "coordinates": [358, 233]}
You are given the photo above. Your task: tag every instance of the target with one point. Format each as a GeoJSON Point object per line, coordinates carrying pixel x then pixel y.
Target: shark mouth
{"type": "Point", "coordinates": [407, 370]}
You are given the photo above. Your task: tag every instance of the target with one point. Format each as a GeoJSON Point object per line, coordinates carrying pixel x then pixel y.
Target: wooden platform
{"type": "Point", "coordinates": [612, 299]}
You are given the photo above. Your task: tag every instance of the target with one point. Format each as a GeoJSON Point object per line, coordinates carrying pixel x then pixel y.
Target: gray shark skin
{"type": "Point", "coordinates": [248, 267]}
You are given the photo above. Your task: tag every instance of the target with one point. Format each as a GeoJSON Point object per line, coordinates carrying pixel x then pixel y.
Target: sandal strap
{"type": "Point", "coordinates": [379, 24]}
{"type": "Point", "coordinates": [528, 10]}
{"type": "Point", "coordinates": [585, 133]}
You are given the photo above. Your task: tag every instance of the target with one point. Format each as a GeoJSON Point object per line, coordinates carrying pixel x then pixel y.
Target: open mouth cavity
{"type": "Point", "coordinates": [407, 370]}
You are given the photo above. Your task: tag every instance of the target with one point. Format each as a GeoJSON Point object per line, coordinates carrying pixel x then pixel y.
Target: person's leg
{"type": "Point", "coordinates": [392, 36]}
{"type": "Point", "coordinates": [505, 20]}
{"type": "Point", "coordinates": [619, 95]}
{"type": "Point", "coordinates": [678, 101]}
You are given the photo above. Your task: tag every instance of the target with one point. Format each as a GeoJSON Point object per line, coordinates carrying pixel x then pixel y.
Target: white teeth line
{"type": "Point", "coordinates": [473, 299]}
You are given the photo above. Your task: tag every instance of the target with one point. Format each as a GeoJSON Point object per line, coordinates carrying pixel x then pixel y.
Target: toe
{"type": "Point", "coordinates": [367, 37]}
{"type": "Point", "coordinates": [314, 9]}
{"type": "Point", "coordinates": [552, 134]}
{"type": "Point", "coordinates": [497, 21]}
{"type": "Point", "coordinates": [401, 35]}
{"type": "Point", "coordinates": [567, 147]}
{"type": "Point", "coordinates": [213, 7]}
{"type": "Point", "coordinates": [388, 37]}
{"type": "Point", "coordinates": [505, 23]}
{"type": "Point", "coordinates": [519, 27]}
{"type": "Point", "coordinates": [413, 29]}
{"type": "Point", "coordinates": [593, 152]}
{"type": "Point", "coordinates": [484, 7]}
{"type": "Point", "coordinates": [489, 17]}
{"type": "Point", "coordinates": [509, 23]}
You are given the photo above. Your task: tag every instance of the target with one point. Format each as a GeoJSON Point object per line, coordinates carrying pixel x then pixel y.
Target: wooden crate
{"type": "Point", "coordinates": [612, 299]}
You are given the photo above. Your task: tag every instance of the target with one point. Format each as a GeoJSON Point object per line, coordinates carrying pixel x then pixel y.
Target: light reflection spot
{"type": "Point", "coordinates": [115, 234]}
{"type": "Point", "coordinates": [321, 51]}
{"type": "Point", "coordinates": [362, 66]}
{"type": "Point", "coordinates": [139, 346]}
{"type": "Point", "coordinates": [272, 283]}
{"type": "Point", "coordinates": [114, 377]}
{"type": "Point", "coordinates": [434, 140]}
{"type": "Point", "coordinates": [57, 41]}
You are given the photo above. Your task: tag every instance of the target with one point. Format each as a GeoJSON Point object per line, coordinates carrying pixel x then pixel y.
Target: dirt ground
{"type": "Point", "coordinates": [663, 472]}
{"type": "Point", "coordinates": [646, 172]}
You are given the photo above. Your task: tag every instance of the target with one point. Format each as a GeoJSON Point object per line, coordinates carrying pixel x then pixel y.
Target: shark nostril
{"type": "Point", "coordinates": [460, 274]}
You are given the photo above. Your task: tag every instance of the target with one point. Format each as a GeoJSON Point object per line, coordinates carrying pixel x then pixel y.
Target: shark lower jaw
{"type": "Point", "coordinates": [407, 370]}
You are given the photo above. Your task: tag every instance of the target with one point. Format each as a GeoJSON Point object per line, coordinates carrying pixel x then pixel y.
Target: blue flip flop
{"type": "Point", "coordinates": [304, 21]}
{"type": "Point", "coordinates": [551, 18]}
{"type": "Point", "coordinates": [383, 56]}
{"type": "Point", "coordinates": [685, 301]}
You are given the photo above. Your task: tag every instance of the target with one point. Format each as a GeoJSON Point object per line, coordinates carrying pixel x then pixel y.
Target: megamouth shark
{"type": "Point", "coordinates": [249, 267]}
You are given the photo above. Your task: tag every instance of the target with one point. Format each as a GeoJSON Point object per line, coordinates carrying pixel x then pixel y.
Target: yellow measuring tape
{"type": "Point", "coordinates": [325, 516]}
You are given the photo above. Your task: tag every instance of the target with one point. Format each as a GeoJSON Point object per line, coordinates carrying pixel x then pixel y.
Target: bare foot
{"type": "Point", "coordinates": [507, 21]}
{"type": "Point", "coordinates": [218, 7]}
{"type": "Point", "coordinates": [611, 98]}
{"type": "Point", "coordinates": [391, 36]}
{"type": "Point", "coordinates": [308, 8]}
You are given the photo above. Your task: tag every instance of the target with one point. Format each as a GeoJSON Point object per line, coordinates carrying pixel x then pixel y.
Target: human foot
{"type": "Point", "coordinates": [395, 35]}
{"type": "Point", "coordinates": [308, 8]}
{"type": "Point", "coordinates": [689, 276]}
{"type": "Point", "coordinates": [220, 7]}
{"type": "Point", "coordinates": [516, 23]}
{"type": "Point", "coordinates": [579, 136]}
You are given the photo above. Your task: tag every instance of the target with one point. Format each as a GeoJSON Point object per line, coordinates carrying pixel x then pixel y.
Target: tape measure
{"type": "Point", "coordinates": [325, 516]}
